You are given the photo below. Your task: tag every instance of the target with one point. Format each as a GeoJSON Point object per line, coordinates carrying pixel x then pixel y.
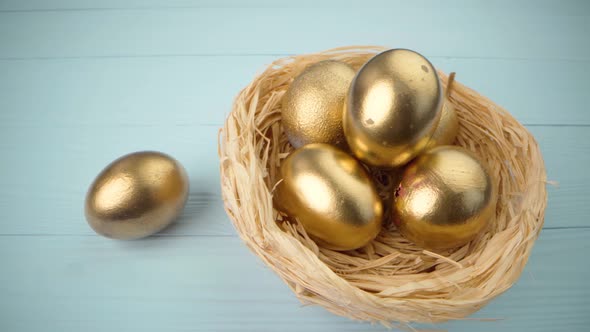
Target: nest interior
{"type": "Point", "coordinates": [391, 280]}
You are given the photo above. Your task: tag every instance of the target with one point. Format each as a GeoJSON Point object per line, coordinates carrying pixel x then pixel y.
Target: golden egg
{"type": "Point", "coordinates": [446, 197]}
{"type": "Point", "coordinates": [331, 195]}
{"type": "Point", "coordinates": [136, 196]}
{"type": "Point", "coordinates": [312, 106]}
{"type": "Point", "coordinates": [392, 108]}
{"type": "Point", "coordinates": [447, 128]}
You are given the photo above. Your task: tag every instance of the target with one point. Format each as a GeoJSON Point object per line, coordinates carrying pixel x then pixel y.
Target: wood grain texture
{"type": "Point", "coordinates": [195, 90]}
{"type": "Point", "coordinates": [553, 7]}
{"type": "Point", "coordinates": [87, 112]}
{"type": "Point", "coordinates": [74, 283]}
{"type": "Point", "coordinates": [436, 30]}
{"type": "Point", "coordinates": [58, 164]}
{"type": "Point", "coordinates": [85, 81]}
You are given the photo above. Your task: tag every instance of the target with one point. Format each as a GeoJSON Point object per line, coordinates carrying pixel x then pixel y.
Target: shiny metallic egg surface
{"type": "Point", "coordinates": [136, 196]}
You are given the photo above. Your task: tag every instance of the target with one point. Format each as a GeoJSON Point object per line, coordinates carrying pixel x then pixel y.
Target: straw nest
{"type": "Point", "coordinates": [391, 280]}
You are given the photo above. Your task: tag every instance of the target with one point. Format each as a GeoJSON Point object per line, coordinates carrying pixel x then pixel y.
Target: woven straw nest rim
{"type": "Point", "coordinates": [391, 280]}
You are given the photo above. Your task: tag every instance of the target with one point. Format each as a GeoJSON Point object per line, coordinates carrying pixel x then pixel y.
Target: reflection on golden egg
{"type": "Point", "coordinates": [136, 196]}
{"type": "Point", "coordinates": [446, 197]}
{"type": "Point", "coordinates": [392, 108]}
{"type": "Point", "coordinates": [313, 104]}
{"type": "Point", "coordinates": [447, 128]}
{"type": "Point", "coordinates": [331, 195]}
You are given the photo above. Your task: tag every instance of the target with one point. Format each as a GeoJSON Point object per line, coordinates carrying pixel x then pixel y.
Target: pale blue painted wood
{"type": "Point", "coordinates": [199, 90]}
{"type": "Point", "coordinates": [435, 30]}
{"type": "Point", "coordinates": [90, 111]}
{"type": "Point", "coordinates": [52, 167]}
{"type": "Point", "coordinates": [88, 283]}
{"type": "Point", "coordinates": [554, 7]}
{"type": "Point", "coordinates": [83, 82]}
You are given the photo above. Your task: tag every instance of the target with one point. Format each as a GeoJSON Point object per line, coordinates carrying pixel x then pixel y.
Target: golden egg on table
{"type": "Point", "coordinates": [392, 108]}
{"type": "Point", "coordinates": [312, 106]}
{"type": "Point", "coordinates": [331, 195]}
{"type": "Point", "coordinates": [447, 128]}
{"type": "Point", "coordinates": [136, 196]}
{"type": "Point", "coordinates": [445, 199]}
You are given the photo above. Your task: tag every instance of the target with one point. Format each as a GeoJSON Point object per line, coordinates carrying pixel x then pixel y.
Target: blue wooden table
{"type": "Point", "coordinates": [85, 81]}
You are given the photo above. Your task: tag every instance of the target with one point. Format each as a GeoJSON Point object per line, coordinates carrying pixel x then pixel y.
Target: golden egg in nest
{"type": "Point", "coordinates": [332, 196]}
{"type": "Point", "coordinates": [445, 199]}
{"type": "Point", "coordinates": [312, 105]}
{"type": "Point", "coordinates": [447, 127]}
{"type": "Point", "coordinates": [136, 196]}
{"type": "Point", "coordinates": [392, 108]}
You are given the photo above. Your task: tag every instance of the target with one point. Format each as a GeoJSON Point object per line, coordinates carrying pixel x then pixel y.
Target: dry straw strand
{"type": "Point", "coordinates": [391, 280]}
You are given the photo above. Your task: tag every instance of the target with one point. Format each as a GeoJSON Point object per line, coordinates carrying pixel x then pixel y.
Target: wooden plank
{"type": "Point", "coordinates": [567, 204]}
{"type": "Point", "coordinates": [199, 90]}
{"type": "Point", "coordinates": [89, 283]}
{"type": "Point", "coordinates": [553, 7]}
{"type": "Point", "coordinates": [56, 5]}
{"type": "Point", "coordinates": [45, 172]}
{"type": "Point", "coordinates": [59, 164]}
{"type": "Point", "coordinates": [104, 78]}
{"type": "Point", "coordinates": [434, 29]}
